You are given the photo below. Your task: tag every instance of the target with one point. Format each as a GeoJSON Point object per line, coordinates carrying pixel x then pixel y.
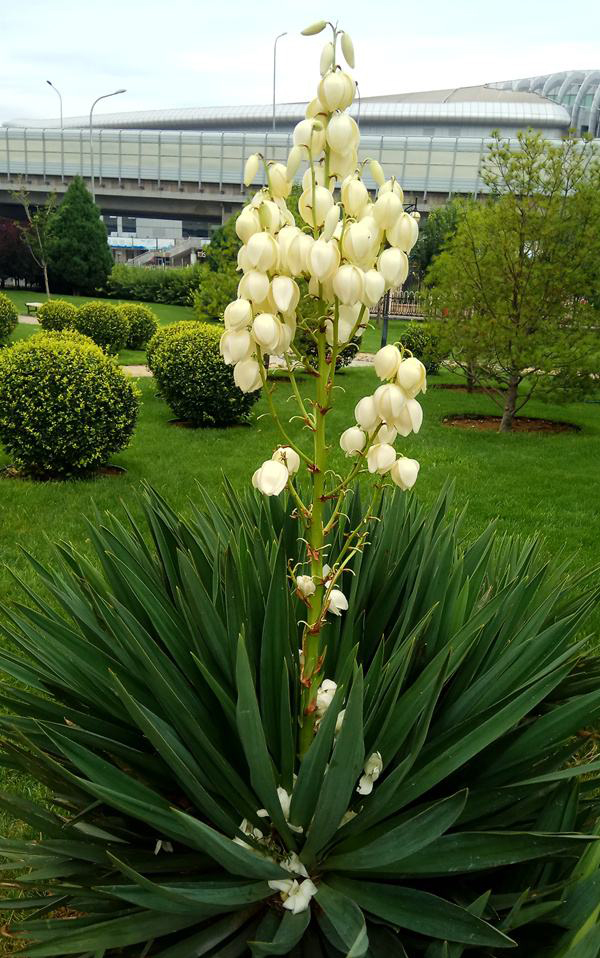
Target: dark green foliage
{"type": "Point", "coordinates": [308, 347]}
{"type": "Point", "coordinates": [8, 317]}
{"type": "Point", "coordinates": [153, 285]}
{"type": "Point", "coordinates": [423, 340]}
{"type": "Point", "coordinates": [16, 261]}
{"type": "Point", "coordinates": [194, 380]}
{"type": "Point", "coordinates": [104, 323]}
{"type": "Point", "coordinates": [79, 258]}
{"type": "Point", "coordinates": [434, 232]}
{"type": "Point", "coordinates": [57, 314]}
{"type": "Point", "coordinates": [147, 705]}
{"type": "Point", "coordinates": [65, 406]}
{"type": "Point", "coordinates": [142, 323]}
{"type": "Point", "coordinates": [219, 279]}
{"type": "Point", "coordinates": [163, 336]}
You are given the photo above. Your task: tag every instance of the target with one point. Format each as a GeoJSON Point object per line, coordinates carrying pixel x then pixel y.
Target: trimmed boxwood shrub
{"type": "Point", "coordinates": [154, 285]}
{"type": "Point", "coordinates": [104, 324]}
{"type": "Point", "coordinates": [193, 378]}
{"type": "Point", "coordinates": [423, 340]}
{"type": "Point", "coordinates": [8, 317]}
{"type": "Point", "coordinates": [162, 336]}
{"type": "Point", "coordinates": [142, 323]}
{"type": "Point", "coordinates": [65, 406]}
{"type": "Point", "coordinates": [57, 314]}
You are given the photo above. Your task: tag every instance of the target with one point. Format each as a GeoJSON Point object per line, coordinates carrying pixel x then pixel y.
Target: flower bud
{"type": "Point", "coordinates": [393, 266]}
{"type": "Point", "coordinates": [387, 209]}
{"type": "Point", "coordinates": [327, 58]}
{"type": "Point", "coordinates": [380, 458]}
{"type": "Point", "coordinates": [348, 284]}
{"type": "Point", "coordinates": [265, 330]}
{"type": "Point", "coordinates": [235, 345]}
{"type": "Point", "coordinates": [325, 694]}
{"type": "Point", "coordinates": [404, 472]}
{"type": "Point", "coordinates": [410, 418]}
{"type": "Point", "coordinates": [331, 221]}
{"type": "Point", "coordinates": [404, 233]}
{"type": "Point", "coordinates": [323, 260]}
{"type": "Point", "coordinates": [348, 49]}
{"type": "Point", "coordinates": [314, 28]}
{"type": "Point", "coordinates": [254, 286]}
{"type": "Point", "coordinates": [271, 478]}
{"type": "Point", "coordinates": [247, 224]}
{"type": "Point", "coordinates": [246, 375]}
{"type": "Point", "coordinates": [289, 457]}
{"type": "Point", "coordinates": [389, 400]}
{"type": "Point", "coordinates": [285, 292]}
{"type": "Point", "coordinates": [412, 377]}
{"type": "Point", "coordinates": [305, 586]}
{"type": "Point", "coordinates": [358, 241]}
{"type": "Point", "coordinates": [278, 180]}
{"type": "Point", "coordinates": [387, 361]}
{"type": "Point", "coordinates": [293, 162]}
{"type": "Point", "coordinates": [314, 215]}
{"type": "Point", "coordinates": [354, 196]}
{"type": "Point", "coordinates": [251, 168]}
{"type": "Point", "coordinates": [374, 287]}
{"type": "Point", "coordinates": [262, 251]}
{"type": "Point", "coordinates": [353, 441]}
{"type": "Point", "coordinates": [366, 414]}
{"type": "Point", "coordinates": [376, 171]}
{"type": "Point", "coordinates": [391, 186]}
{"type": "Point", "coordinates": [238, 314]}
{"type": "Point", "coordinates": [342, 133]}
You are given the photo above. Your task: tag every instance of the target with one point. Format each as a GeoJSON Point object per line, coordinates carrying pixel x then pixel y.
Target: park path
{"type": "Point", "coordinates": [140, 370]}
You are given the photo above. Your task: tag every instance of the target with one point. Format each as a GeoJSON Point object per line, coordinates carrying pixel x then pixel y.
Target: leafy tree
{"type": "Point", "coordinates": [16, 261]}
{"type": "Point", "coordinates": [218, 276]}
{"type": "Point", "coordinates": [439, 226]}
{"type": "Point", "coordinates": [519, 280]}
{"type": "Point", "coordinates": [36, 235]}
{"type": "Point", "coordinates": [79, 257]}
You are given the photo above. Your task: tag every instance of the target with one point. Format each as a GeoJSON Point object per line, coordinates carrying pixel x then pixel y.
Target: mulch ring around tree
{"type": "Point", "coordinates": [482, 423]}
{"type": "Point", "coordinates": [108, 472]}
{"type": "Point", "coordinates": [458, 388]}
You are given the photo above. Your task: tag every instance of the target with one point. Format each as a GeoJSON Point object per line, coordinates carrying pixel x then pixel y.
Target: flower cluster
{"type": "Point", "coordinates": [391, 411]}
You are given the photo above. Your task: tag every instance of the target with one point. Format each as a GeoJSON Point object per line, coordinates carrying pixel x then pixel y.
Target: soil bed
{"type": "Point", "coordinates": [458, 388]}
{"type": "Point", "coordinates": [482, 423]}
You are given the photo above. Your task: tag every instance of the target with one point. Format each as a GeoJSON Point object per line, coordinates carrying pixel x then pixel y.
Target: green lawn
{"type": "Point", "coordinates": [531, 484]}
{"type": "Point", "coordinates": [166, 314]}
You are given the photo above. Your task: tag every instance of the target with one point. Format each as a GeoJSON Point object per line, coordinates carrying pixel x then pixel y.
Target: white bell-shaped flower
{"type": "Point", "coordinates": [349, 284]}
{"type": "Point", "coordinates": [391, 186]}
{"type": "Point", "coordinates": [316, 109]}
{"type": "Point", "coordinates": [354, 196]}
{"type": "Point", "coordinates": [295, 895]}
{"type": "Point", "coordinates": [310, 134]}
{"type": "Point", "coordinates": [404, 472]}
{"type": "Point", "coordinates": [238, 314]}
{"type": "Point", "coordinates": [410, 418]}
{"type": "Point", "coordinates": [271, 479]}
{"type": "Point", "coordinates": [331, 221]}
{"type": "Point", "coordinates": [325, 694]}
{"type": "Point", "coordinates": [393, 266]}
{"type": "Point", "coordinates": [289, 457]}
{"type": "Point", "coordinates": [353, 440]}
{"type": "Point", "coordinates": [314, 205]}
{"type": "Point", "coordinates": [337, 602]}
{"type": "Point", "coordinates": [284, 239]}
{"type": "Point", "coordinates": [366, 414]}
{"type": "Point", "coordinates": [278, 180]}
{"type": "Point", "coordinates": [344, 331]}
{"type": "Point", "coordinates": [381, 457]}
{"type": "Point", "coordinates": [371, 771]}
{"type": "Point", "coordinates": [262, 251]}
{"type": "Point", "coordinates": [324, 259]}
{"type": "Point", "coordinates": [376, 171]}
{"type": "Point", "coordinates": [404, 233]}
{"type": "Point", "coordinates": [246, 375]}
{"type": "Point", "coordinates": [254, 286]}
{"type": "Point", "coordinates": [386, 362]}
{"type": "Point", "coordinates": [266, 330]}
{"type": "Point", "coordinates": [389, 400]}
{"type": "Point", "coordinates": [358, 242]}
{"type": "Point", "coordinates": [343, 164]}
{"type": "Point", "coordinates": [387, 434]}
{"type": "Point", "coordinates": [387, 209]}
{"type": "Point", "coordinates": [342, 133]}
{"type": "Point", "coordinates": [247, 224]}
{"type": "Point", "coordinates": [285, 293]}
{"type": "Point", "coordinates": [294, 160]}
{"type": "Point", "coordinates": [374, 287]}
{"type": "Point", "coordinates": [235, 345]}
{"type": "Point", "coordinates": [251, 168]}
{"type": "Point", "coordinates": [412, 376]}
{"type": "Point", "coordinates": [333, 91]}
{"type": "Point", "coordinates": [305, 585]}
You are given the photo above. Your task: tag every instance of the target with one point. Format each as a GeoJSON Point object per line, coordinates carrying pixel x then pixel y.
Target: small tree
{"type": "Point", "coordinates": [16, 261]}
{"type": "Point", "coordinates": [79, 257]}
{"type": "Point", "coordinates": [519, 279]}
{"type": "Point", "coordinates": [435, 231]}
{"type": "Point", "coordinates": [36, 235]}
{"type": "Point", "coordinates": [218, 274]}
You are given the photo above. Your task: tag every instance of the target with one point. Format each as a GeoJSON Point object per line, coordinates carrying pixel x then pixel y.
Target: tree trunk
{"type": "Point", "coordinates": [510, 404]}
{"type": "Point", "coordinates": [470, 378]}
{"type": "Point", "coordinates": [46, 284]}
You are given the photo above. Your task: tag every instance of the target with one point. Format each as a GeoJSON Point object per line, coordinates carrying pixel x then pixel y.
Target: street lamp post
{"type": "Point", "coordinates": [62, 140]}
{"type": "Point", "coordinates": [97, 100]}
{"type": "Point", "coordinates": [284, 34]}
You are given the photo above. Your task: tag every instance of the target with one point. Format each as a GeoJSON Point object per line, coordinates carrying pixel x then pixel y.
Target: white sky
{"type": "Point", "coordinates": [174, 53]}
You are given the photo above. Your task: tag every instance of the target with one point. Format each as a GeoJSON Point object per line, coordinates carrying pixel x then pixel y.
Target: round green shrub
{"type": "Point", "coordinates": [104, 324]}
{"type": "Point", "coordinates": [65, 406]}
{"type": "Point", "coordinates": [424, 342]}
{"type": "Point", "coordinates": [8, 317]}
{"type": "Point", "coordinates": [57, 314]}
{"type": "Point", "coordinates": [162, 336]}
{"type": "Point", "coordinates": [142, 322]}
{"type": "Point", "coordinates": [193, 378]}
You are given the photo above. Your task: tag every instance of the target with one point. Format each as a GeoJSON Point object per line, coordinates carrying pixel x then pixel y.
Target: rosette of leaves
{"type": "Point", "coordinates": [154, 694]}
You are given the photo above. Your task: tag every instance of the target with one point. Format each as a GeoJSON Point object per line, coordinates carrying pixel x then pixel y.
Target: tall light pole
{"type": "Point", "coordinates": [284, 34]}
{"type": "Point", "coordinates": [60, 99]}
{"type": "Point", "coordinates": [97, 100]}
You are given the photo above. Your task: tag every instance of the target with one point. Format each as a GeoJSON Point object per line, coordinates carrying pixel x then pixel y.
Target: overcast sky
{"type": "Point", "coordinates": [175, 53]}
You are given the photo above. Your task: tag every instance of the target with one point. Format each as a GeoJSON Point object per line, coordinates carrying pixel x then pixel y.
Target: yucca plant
{"type": "Point", "coordinates": [155, 697]}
